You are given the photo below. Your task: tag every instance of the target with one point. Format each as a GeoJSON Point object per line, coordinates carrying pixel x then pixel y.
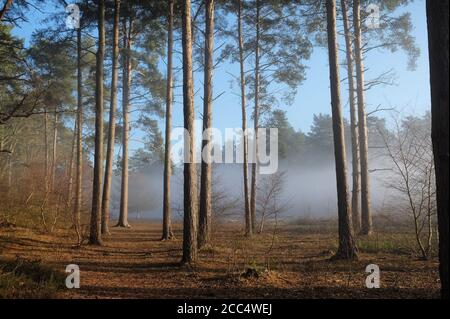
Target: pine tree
{"type": "Point", "coordinates": [190, 223]}
{"type": "Point", "coordinates": [95, 237]}
{"type": "Point", "coordinates": [347, 248]}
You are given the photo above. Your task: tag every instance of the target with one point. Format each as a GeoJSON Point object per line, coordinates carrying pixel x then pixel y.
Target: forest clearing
{"type": "Point", "coordinates": [292, 262]}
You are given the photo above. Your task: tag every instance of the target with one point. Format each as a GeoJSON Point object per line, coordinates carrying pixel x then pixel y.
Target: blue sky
{"type": "Point", "coordinates": [410, 95]}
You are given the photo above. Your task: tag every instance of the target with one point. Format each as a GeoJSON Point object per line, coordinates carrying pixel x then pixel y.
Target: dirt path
{"type": "Point", "coordinates": [134, 263]}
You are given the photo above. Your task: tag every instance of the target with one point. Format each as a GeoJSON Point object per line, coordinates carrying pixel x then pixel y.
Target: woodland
{"type": "Point", "coordinates": [91, 96]}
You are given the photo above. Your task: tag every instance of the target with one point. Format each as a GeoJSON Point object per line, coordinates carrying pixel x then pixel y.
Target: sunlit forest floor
{"type": "Point", "coordinates": [289, 261]}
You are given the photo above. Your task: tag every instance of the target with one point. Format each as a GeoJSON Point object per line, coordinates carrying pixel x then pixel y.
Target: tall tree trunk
{"type": "Point", "coordinates": [123, 215]}
{"type": "Point", "coordinates": [347, 248]}
{"type": "Point", "coordinates": [95, 237]}
{"type": "Point", "coordinates": [46, 157]}
{"type": "Point", "coordinates": [4, 165]}
{"type": "Point", "coordinates": [366, 215]}
{"type": "Point", "coordinates": [106, 199]}
{"type": "Point", "coordinates": [356, 217]}
{"type": "Point", "coordinates": [167, 223]}
{"type": "Point", "coordinates": [9, 184]}
{"type": "Point", "coordinates": [248, 215]}
{"type": "Point", "coordinates": [71, 164]}
{"type": "Point", "coordinates": [437, 16]}
{"type": "Point", "coordinates": [190, 222]}
{"type": "Point", "coordinates": [2, 150]}
{"type": "Point", "coordinates": [204, 233]}
{"type": "Point", "coordinates": [79, 169]}
{"type": "Point", "coordinates": [255, 120]}
{"type": "Point", "coordinates": [54, 149]}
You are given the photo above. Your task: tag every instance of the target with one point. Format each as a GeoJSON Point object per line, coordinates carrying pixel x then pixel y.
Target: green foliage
{"type": "Point", "coordinates": [283, 45]}
{"type": "Point", "coordinates": [55, 63]}
{"type": "Point", "coordinates": [289, 141]}
{"type": "Point", "coordinates": [18, 10]}
{"type": "Point", "coordinates": [395, 243]}
{"type": "Point", "coordinates": [317, 146]}
{"type": "Point", "coordinates": [153, 149]}
{"type": "Point", "coordinates": [20, 89]}
{"type": "Point", "coordinates": [394, 31]}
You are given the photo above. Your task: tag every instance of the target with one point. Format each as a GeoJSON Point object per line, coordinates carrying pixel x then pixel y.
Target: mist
{"type": "Point", "coordinates": [309, 190]}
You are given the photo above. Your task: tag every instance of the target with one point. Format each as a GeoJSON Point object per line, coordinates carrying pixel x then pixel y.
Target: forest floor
{"type": "Point", "coordinates": [292, 261]}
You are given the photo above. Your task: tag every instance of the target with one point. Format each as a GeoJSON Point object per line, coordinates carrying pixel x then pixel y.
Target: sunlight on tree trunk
{"type": "Point", "coordinates": [248, 215]}
{"type": "Point", "coordinates": [167, 211]}
{"type": "Point", "coordinates": [205, 212]}
{"type": "Point", "coordinates": [79, 169]}
{"type": "Point", "coordinates": [347, 248]}
{"type": "Point", "coordinates": [106, 198]}
{"type": "Point", "coordinates": [190, 223]}
{"type": "Point", "coordinates": [366, 215]}
{"type": "Point", "coordinates": [95, 237]}
{"type": "Point", "coordinates": [356, 217]}
{"type": "Point", "coordinates": [127, 69]}
{"type": "Point", "coordinates": [255, 121]}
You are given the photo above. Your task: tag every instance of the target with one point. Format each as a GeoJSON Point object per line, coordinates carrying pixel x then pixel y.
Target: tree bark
{"type": "Point", "coordinates": [79, 168]}
{"type": "Point", "coordinates": [2, 150]}
{"type": "Point", "coordinates": [54, 148]}
{"type": "Point", "coordinates": [167, 211]}
{"type": "Point", "coordinates": [190, 222]}
{"type": "Point", "coordinates": [347, 248]}
{"type": "Point", "coordinates": [205, 213]}
{"type": "Point", "coordinates": [9, 174]}
{"type": "Point", "coordinates": [366, 215]}
{"type": "Point", "coordinates": [71, 162]}
{"type": "Point", "coordinates": [95, 237]}
{"type": "Point", "coordinates": [356, 217]}
{"type": "Point", "coordinates": [123, 215]}
{"type": "Point", "coordinates": [106, 199]}
{"type": "Point", "coordinates": [438, 28]}
{"type": "Point", "coordinates": [255, 121]}
{"type": "Point", "coordinates": [9, 185]}
{"type": "Point", "coordinates": [248, 215]}
{"type": "Point", "coordinates": [46, 157]}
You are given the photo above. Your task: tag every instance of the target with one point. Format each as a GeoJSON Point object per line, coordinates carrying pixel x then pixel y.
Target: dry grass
{"type": "Point", "coordinates": [292, 262]}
